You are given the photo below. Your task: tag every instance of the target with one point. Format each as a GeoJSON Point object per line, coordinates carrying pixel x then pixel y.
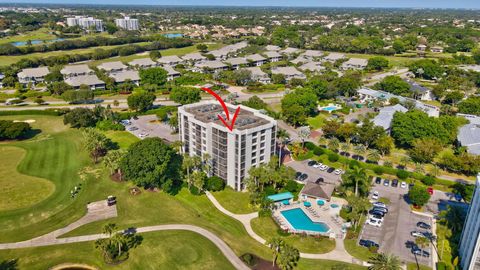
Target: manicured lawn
{"type": "Point", "coordinates": [40, 34]}
{"type": "Point", "coordinates": [18, 190]}
{"type": "Point", "coordinates": [158, 250]}
{"type": "Point", "coordinates": [267, 229]}
{"type": "Point", "coordinates": [307, 264]}
{"type": "Point", "coordinates": [317, 121]}
{"type": "Point", "coordinates": [357, 251]}
{"type": "Point", "coordinates": [123, 138]}
{"type": "Point", "coordinates": [413, 266]}
{"type": "Point", "coordinates": [235, 202]}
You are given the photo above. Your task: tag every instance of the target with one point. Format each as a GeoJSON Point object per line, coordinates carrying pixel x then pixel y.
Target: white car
{"type": "Point", "coordinates": [374, 222]}
{"type": "Point", "coordinates": [338, 172]}
{"type": "Point", "coordinates": [417, 234]}
{"type": "Point", "coordinates": [375, 195]}
{"type": "Point", "coordinates": [379, 204]}
{"type": "Point", "coordinates": [323, 167]}
{"type": "Point", "coordinates": [403, 184]}
{"type": "Point", "coordinates": [143, 135]}
{"type": "Point", "coordinates": [318, 165]}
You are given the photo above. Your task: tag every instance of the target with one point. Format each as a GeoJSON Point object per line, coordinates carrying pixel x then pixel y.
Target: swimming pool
{"type": "Point", "coordinates": [300, 221]}
{"type": "Point", "coordinates": [173, 35]}
{"type": "Point", "coordinates": [330, 108]}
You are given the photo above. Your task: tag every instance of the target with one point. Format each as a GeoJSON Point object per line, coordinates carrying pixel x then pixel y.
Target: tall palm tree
{"type": "Point", "coordinates": [109, 229]}
{"type": "Point", "coordinates": [360, 150]}
{"type": "Point", "coordinates": [384, 261]}
{"type": "Point", "coordinates": [275, 245]}
{"type": "Point", "coordinates": [282, 136]}
{"type": "Point", "coordinates": [404, 161]}
{"type": "Point", "coordinates": [373, 155]}
{"type": "Point", "coordinates": [356, 175]}
{"type": "Point", "coordinates": [345, 147]}
{"type": "Point", "coordinates": [322, 141]}
{"type": "Point", "coordinates": [333, 144]}
{"type": "Point", "coordinates": [288, 257]}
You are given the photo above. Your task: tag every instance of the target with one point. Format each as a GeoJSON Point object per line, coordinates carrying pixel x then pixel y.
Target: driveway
{"type": "Point", "coordinates": [149, 124]}
{"type": "Point", "coordinates": [399, 222]}
{"type": "Point", "coordinates": [313, 173]}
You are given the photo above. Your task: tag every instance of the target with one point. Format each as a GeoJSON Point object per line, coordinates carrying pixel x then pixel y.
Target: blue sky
{"type": "Point", "coordinates": [320, 3]}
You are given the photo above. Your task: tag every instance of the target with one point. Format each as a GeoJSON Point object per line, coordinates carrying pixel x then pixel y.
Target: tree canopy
{"type": "Point", "coordinates": [185, 95]}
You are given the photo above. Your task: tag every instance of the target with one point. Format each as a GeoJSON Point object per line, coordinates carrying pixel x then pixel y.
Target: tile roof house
{"type": "Point", "coordinates": [256, 59]}
{"type": "Point", "coordinates": [210, 66]}
{"type": "Point", "coordinates": [420, 92]}
{"type": "Point", "coordinates": [171, 60]}
{"type": "Point", "coordinates": [91, 81]}
{"type": "Point", "coordinates": [333, 57]}
{"type": "Point", "coordinates": [32, 75]}
{"type": "Point", "coordinates": [193, 57]}
{"type": "Point", "coordinates": [289, 51]}
{"type": "Point", "coordinates": [354, 63]}
{"type": "Point", "coordinates": [143, 63]}
{"type": "Point", "coordinates": [273, 56]}
{"type": "Point", "coordinates": [469, 134]}
{"type": "Point", "coordinates": [289, 73]}
{"type": "Point", "coordinates": [112, 66]}
{"type": "Point", "coordinates": [171, 73]}
{"type": "Point", "coordinates": [122, 76]}
{"type": "Point", "coordinates": [272, 48]}
{"type": "Point", "coordinates": [258, 75]}
{"type": "Point", "coordinates": [385, 116]}
{"type": "Point", "coordinates": [236, 62]}
{"type": "Point", "coordinates": [300, 60]}
{"type": "Point", "coordinates": [76, 70]}
{"type": "Point", "coordinates": [311, 54]}
{"type": "Point", "coordinates": [312, 66]}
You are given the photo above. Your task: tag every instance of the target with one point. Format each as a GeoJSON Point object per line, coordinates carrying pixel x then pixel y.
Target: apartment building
{"type": "Point", "coordinates": [470, 239]}
{"type": "Point", "coordinates": [127, 23]}
{"type": "Point", "coordinates": [232, 153]}
{"type": "Point", "coordinates": [87, 23]}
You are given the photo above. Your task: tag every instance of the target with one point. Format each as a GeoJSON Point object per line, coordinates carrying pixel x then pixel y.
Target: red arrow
{"type": "Point", "coordinates": [227, 113]}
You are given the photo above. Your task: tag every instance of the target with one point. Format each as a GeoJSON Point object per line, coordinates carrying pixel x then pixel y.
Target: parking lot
{"type": "Point", "coordinates": [313, 173]}
{"type": "Point", "coordinates": [397, 226]}
{"type": "Point", "coordinates": [148, 126]}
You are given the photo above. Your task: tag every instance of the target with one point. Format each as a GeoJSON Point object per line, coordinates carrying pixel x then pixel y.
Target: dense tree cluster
{"type": "Point", "coordinates": [13, 130]}
{"type": "Point", "coordinates": [185, 95]}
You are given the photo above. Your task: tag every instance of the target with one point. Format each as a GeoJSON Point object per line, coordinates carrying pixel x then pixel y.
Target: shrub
{"type": "Point", "coordinates": [310, 145]}
{"type": "Point", "coordinates": [379, 170]}
{"type": "Point", "coordinates": [373, 249]}
{"type": "Point", "coordinates": [215, 183]}
{"type": "Point", "coordinates": [353, 163]}
{"type": "Point", "coordinates": [13, 130]}
{"type": "Point", "coordinates": [428, 180]}
{"type": "Point", "coordinates": [332, 157]}
{"type": "Point", "coordinates": [318, 151]}
{"type": "Point", "coordinates": [291, 186]}
{"type": "Point", "coordinates": [402, 174]}
{"type": "Point", "coordinates": [109, 125]}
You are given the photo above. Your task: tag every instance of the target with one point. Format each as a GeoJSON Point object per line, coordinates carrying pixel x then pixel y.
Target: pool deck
{"type": "Point", "coordinates": [324, 214]}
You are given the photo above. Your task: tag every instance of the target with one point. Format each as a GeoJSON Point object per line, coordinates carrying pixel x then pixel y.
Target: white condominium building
{"type": "Point", "coordinates": [127, 23]}
{"type": "Point", "coordinates": [232, 153]}
{"type": "Point", "coordinates": [470, 239]}
{"type": "Point", "coordinates": [87, 23]}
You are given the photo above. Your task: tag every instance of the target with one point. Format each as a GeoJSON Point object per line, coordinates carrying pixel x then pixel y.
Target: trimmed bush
{"type": "Point", "coordinates": [318, 151]}
{"type": "Point", "coordinates": [215, 183]}
{"type": "Point", "coordinates": [402, 174]}
{"type": "Point", "coordinates": [428, 180]}
{"type": "Point", "coordinates": [354, 163]}
{"type": "Point", "coordinates": [109, 125]}
{"type": "Point", "coordinates": [310, 146]}
{"type": "Point", "coordinates": [291, 186]}
{"type": "Point", "coordinates": [332, 157]}
{"type": "Point", "coordinates": [379, 170]}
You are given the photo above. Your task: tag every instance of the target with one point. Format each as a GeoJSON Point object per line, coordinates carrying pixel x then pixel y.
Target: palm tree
{"type": "Point", "coordinates": [188, 164]}
{"type": "Point", "coordinates": [112, 161]}
{"type": "Point", "coordinates": [404, 161]}
{"type": "Point", "coordinates": [282, 135]}
{"type": "Point", "coordinates": [384, 261]}
{"type": "Point", "coordinates": [333, 144]}
{"type": "Point", "coordinates": [109, 229]}
{"type": "Point", "coordinates": [288, 257]}
{"type": "Point", "coordinates": [322, 141]}
{"type": "Point", "coordinates": [359, 150]}
{"type": "Point", "coordinates": [275, 245]}
{"type": "Point", "coordinates": [345, 147]}
{"type": "Point", "coordinates": [356, 175]}
{"type": "Point", "coordinates": [119, 240]}
{"type": "Point", "coordinates": [373, 155]}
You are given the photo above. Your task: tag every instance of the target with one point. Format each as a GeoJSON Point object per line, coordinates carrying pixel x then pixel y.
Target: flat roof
{"type": "Point", "coordinates": [281, 196]}
{"type": "Point", "coordinates": [207, 112]}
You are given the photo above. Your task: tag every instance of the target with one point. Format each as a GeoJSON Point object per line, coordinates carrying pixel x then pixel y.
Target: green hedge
{"type": "Point", "coordinates": [54, 112]}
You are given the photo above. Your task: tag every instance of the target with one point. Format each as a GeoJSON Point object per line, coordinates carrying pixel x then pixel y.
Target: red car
{"type": "Point", "coordinates": [430, 190]}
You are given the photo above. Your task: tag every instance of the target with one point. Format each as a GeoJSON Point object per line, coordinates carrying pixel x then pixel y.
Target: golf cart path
{"type": "Point", "coordinates": [338, 254]}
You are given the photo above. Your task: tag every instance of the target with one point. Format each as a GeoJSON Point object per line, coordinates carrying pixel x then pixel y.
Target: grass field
{"type": "Point", "coordinates": [413, 266]}
{"type": "Point", "coordinates": [267, 229]}
{"type": "Point", "coordinates": [123, 138]}
{"type": "Point", "coordinates": [19, 191]}
{"type": "Point", "coordinates": [357, 251]}
{"type": "Point", "coordinates": [235, 202]}
{"type": "Point", "coordinates": [40, 34]}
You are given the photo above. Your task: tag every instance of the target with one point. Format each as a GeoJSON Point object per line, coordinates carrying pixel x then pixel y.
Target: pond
{"type": "Point", "coordinates": [35, 42]}
{"type": "Point", "coordinates": [173, 35]}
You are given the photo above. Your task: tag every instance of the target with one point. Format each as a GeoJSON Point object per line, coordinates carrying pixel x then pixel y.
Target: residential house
{"type": "Point", "coordinates": [171, 73]}
{"type": "Point", "coordinates": [210, 66]}
{"type": "Point", "coordinates": [311, 66]}
{"type": "Point", "coordinates": [219, 54]}
{"type": "Point", "coordinates": [193, 57]}
{"type": "Point", "coordinates": [289, 73]}
{"type": "Point", "coordinates": [272, 48]}
{"type": "Point", "coordinates": [420, 92]}
{"type": "Point", "coordinates": [112, 67]}
{"type": "Point", "coordinates": [469, 134]}
{"type": "Point", "coordinates": [385, 116]}
{"type": "Point", "coordinates": [437, 49]}
{"type": "Point", "coordinates": [125, 75]}
{"type": "Point", "coordinates": [143, 63]}
{"type": "Point", "coordinates": [273, 56]}
{"type": "Point", "coordinates": [289, 51]}
{"type": "Point", "coordinates": [258, 75]}
{"type": "Point", "coordinates": [300, 60]}
{"type": "Point", "coordinates": [76, 70]}
{"type": "Point", "coordinates": [354, 63]}
{"type": "Point", "coordinates": [421, 47]}
{"type": "Point", "coordinates": [312, 54]}
{"type": "Point", "coordinates": [91, 81]}
{"type": "Point", "coordinates": [256, 59]}
{"type": "Point", "coordinates": [32, 75]}
{"type": "Point", "coordinates": [432, 111]}
{"type": "Point", "coordinates": [171, 60]}
{"type": "Point", "coordinates": [333, 57]}
{"type": "Point", "coordinates": [236, 62]}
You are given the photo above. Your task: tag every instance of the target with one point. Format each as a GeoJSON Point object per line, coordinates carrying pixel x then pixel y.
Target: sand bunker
{"type": "Point", "coordinates": [29, 121]}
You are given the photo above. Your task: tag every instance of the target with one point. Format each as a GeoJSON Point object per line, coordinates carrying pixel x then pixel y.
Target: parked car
{"type": "Point", "coordinates": [376, 217]}
{"type": "Point", "coordinates": [430, 190]}
{"type": "Point", "coordinates": [378, 180]}
{"type": "Point", "coordinates": [318, 165]}
{"type": "Point", "coordinates": [416, 250]}
{"type": "Point", "coordinates": [374, 222]}
{"type": "Point", "coordinates": [416, 234]}
{"type": "Point", "coordinates": [338, 172]}
{"type": "Point", "coordinates": [411, 244]}
{"type": "Point", "coordinates": [425, 253]}
{"type": "Point", "coordinates": [303, 177]}
{"type": "Point", "coordinates": [395, 183]}
{"type": "Point", "coordinates": [297, 175]}
{"type": "Point", "coordinates": [143, 135]}
{"type": "Point", "coordinates": [323, 167]}
{"type": "Point", "coordinates": [320, 180]}
{"type": "Point", "coordinates": [386, 182]}
{"type": "Point", "coordinates": [379, 204]}
{"type": "Point", "coordinates": [376, 213]}
{"type": "Point", "coordinates": [111, 200]}
{"type": "Point", "coordinates": [330, 170]}
{"type": "Point", "coordinates": [311, 163]}
{"type": "Point", "coordinates": [423, 225]}
{"type": "Point", "coordinates": [429, 236]}
{"type": "Point", "coordinates": [368, 243]}
{"type": "Point", "coordinates": [403, 184]}
{"type": "Point", "coordinates": [375, 195]}
{"type": "Point", "coordinates": [132, 128]}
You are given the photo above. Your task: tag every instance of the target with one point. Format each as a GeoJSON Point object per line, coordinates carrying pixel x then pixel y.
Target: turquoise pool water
{"type": "Point", "coordinates": [300, 221]}
{"type": "Point", "coordinates": [329, 108]}
{"type": "Point", "coordinates": [35, 42]}
{"type": "Point", "coordinates": [173, 35]}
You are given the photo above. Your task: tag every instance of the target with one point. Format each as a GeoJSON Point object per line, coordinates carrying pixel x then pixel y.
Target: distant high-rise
{"type": "Point", "coordinates": [470, 239]}
{"type": "Point", "coordinates": [127, 23]}
{"type": "Point", "coordinates": [87, 23]}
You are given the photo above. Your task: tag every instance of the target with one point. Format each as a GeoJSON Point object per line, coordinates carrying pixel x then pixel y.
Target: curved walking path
{"type": "Point", "coordinates": [338, 254]}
